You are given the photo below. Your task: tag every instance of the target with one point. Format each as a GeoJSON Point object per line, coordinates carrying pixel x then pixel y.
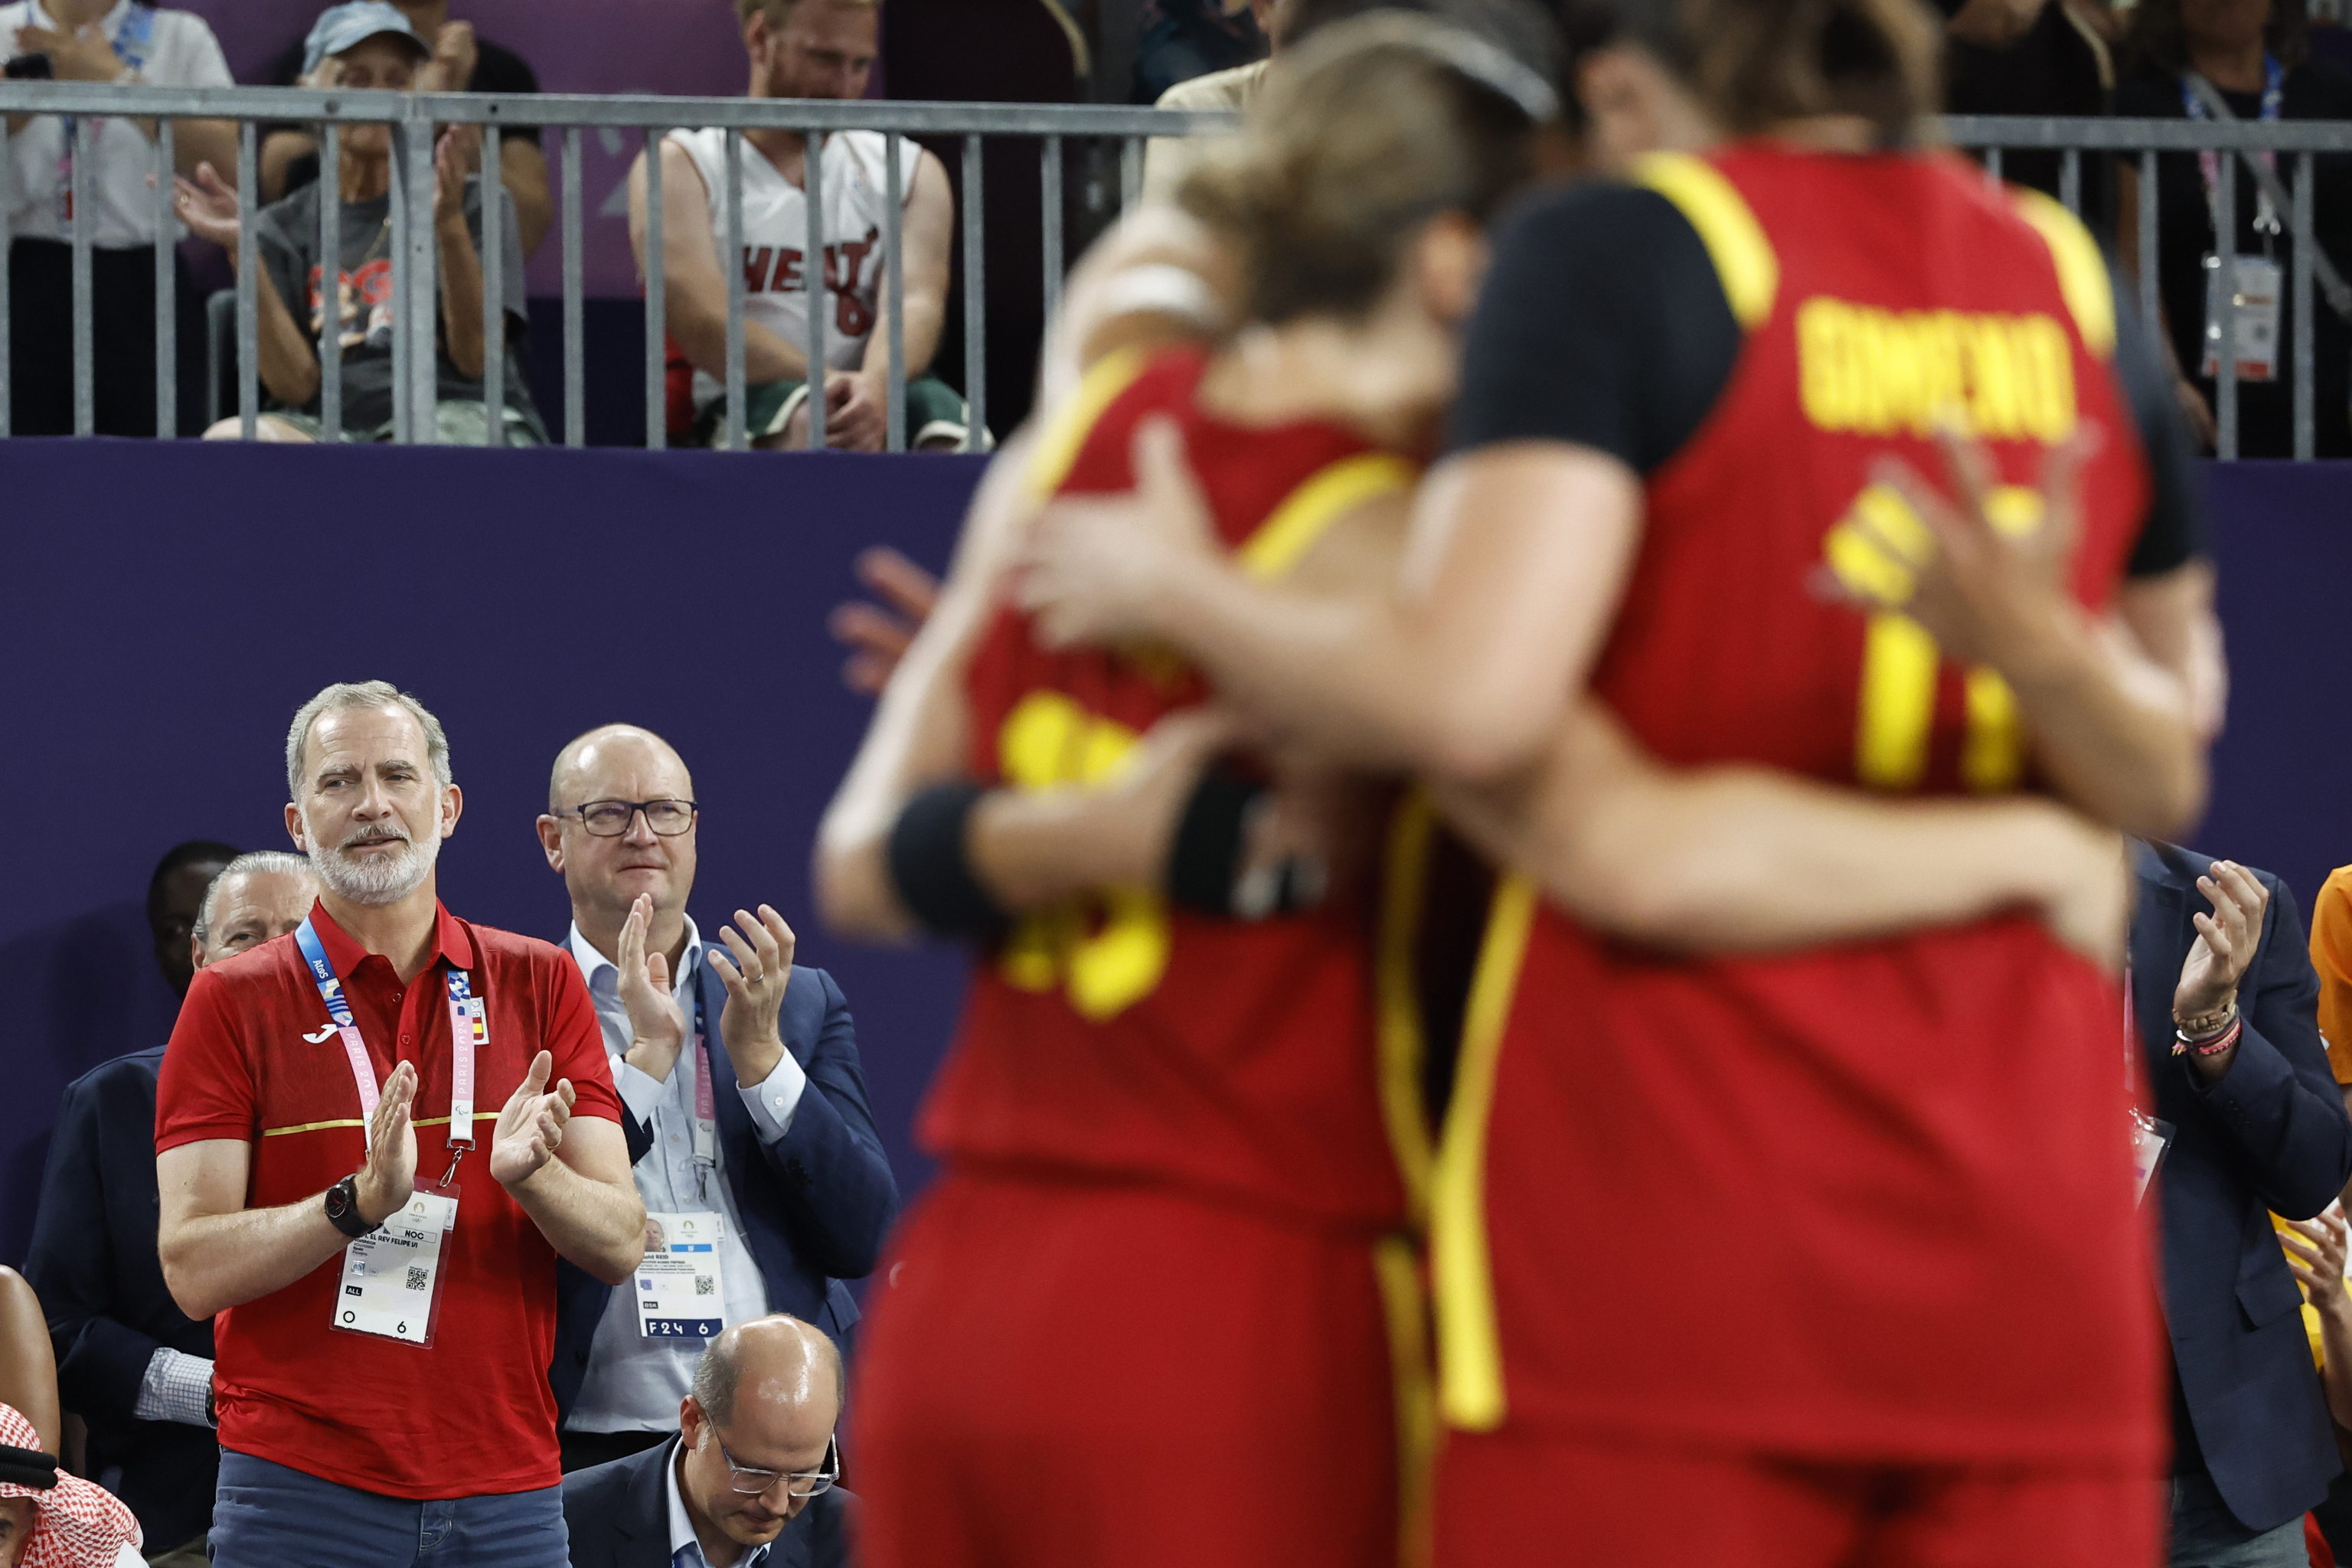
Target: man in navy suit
{"type": "Point", "coordinates": [129, 1362]}
{"type": "Point", "coordinates": [2226, 1004]}
{"type": "Point", "coordinates": [753, 1143]}
{"type": "Point", "coordinates": [749, 1480]}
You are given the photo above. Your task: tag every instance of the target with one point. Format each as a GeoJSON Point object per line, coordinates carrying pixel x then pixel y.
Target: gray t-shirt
{"type": "Point", "coordinates": [286, 236]}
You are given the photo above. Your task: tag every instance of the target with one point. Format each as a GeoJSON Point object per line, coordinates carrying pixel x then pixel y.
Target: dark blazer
{"type": "Point", "coordinates": [93, 1262]}
{"type": "Point", "coordinates": [815, 1205]}
{"type": "Point", "coordinates": [618, 1516]}
{"type": "Point", "coordinates": [2272, 1134]}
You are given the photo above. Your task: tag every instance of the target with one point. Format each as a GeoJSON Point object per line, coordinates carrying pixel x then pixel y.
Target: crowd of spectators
{"type": "Point", "coordinates": [796, 48]}
{"type": "Point", "coordinates": [688, 1122]}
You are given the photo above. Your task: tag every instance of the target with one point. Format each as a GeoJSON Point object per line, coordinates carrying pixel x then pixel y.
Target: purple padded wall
{"type": "Point", "coordinates": [165, 608]}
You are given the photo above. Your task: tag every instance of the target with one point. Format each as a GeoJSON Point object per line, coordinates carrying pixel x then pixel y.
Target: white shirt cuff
{"type": "Point", "coordinates": [771, 1103]}
{"type": "Point", "coordinates": [174, 1388]}
{"type": "Point", "coordinates": [640, 1090]}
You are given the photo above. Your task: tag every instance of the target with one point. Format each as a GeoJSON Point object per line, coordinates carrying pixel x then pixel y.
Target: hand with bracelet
{"type": "Point", "coordinates": [2205, 1001]}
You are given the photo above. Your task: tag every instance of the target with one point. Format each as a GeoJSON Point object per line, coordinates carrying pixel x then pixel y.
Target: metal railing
{"type": "Point", "coordinates": [416, 118]}
{"type": "Point", "coordinates": [2241, 143]}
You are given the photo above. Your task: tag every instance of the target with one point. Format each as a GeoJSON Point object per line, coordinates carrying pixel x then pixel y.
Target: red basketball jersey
{"type": "Point", "coordinates": [1871, 1200]}
{"type": "Point", "coordinates": [1124, 1039]}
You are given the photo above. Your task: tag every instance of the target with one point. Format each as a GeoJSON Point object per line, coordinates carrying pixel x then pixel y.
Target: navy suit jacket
{"type": "Point", "coordinates": [815, 1205]}
{"type": "Point", "coordinates": [93, 1262]}
{"type": "Point", "coordinates": [618, 1516]}
{"type": "Point", "coordinates": [2270, 1135]}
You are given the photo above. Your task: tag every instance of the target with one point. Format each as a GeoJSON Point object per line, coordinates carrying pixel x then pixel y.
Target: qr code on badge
{"type": "Point", "coordinates": [417, 1278]}
{"type": "Point", "coordinates": [704, 1285]}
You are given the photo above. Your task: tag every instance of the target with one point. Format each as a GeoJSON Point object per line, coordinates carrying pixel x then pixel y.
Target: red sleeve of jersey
{"type": "Point", "coordinates": [206, 1090]}
{"type": "Point", "coordinates": [577, 1042]}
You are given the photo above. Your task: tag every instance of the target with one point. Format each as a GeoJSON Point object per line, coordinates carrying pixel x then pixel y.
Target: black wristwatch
{"type": "Point", "coordinates": [344, 1209]}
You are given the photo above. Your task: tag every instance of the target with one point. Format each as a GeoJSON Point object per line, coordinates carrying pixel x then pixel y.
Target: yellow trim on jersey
{"type": "Point", "coordinates": [1402, 1048]}
{"type": "Point", "coordinates": [316, 1127]}
{"type": "Point", "coordinates": [1068, 427]}
{"type": "Point", "coordinates": [2082, 272]}
{"type": "Point", "coordinates": [1327, 495]}
{"type": "Point", "coordinates": [346, 1121]}
{"type": "Point", "coordinates": [1734, 241]}
{"type": "Point", "coordinates": [1469, 1345]}
{"type": "Point", "coordinates": [1396, 1263]}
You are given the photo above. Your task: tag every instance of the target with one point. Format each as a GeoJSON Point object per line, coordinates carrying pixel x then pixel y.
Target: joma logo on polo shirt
{"type": "Point", "coordinates": [320, 1037]}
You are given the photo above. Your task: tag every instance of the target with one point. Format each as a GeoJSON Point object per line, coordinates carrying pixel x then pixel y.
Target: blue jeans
{"type": "Point", "coordinates": [267, 1516]}
{"type": "Point", "coordinates": [2206, 1534]}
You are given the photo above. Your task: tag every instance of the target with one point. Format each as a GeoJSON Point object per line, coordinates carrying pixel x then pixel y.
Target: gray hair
{"type": "Point", "coordinates": [350, 696]}
{"type": "Point", "coordinates": [719, 1374]}
{"type": "Point", "coordinates": [277, 861]}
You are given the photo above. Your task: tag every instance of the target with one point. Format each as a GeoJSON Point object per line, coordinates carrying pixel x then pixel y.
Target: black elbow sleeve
{"type": "Point", "coordinates": [928, 868]}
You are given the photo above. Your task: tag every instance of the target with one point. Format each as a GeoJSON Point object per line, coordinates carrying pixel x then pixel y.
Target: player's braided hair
{"type": "Point", "coordinates": [1366, 132]}
{"type": "Point", "coordinates": [1754, 64]}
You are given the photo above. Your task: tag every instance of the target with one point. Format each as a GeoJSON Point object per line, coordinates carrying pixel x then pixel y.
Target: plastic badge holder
{"type": "Point", "coordinates": [391, 1284]}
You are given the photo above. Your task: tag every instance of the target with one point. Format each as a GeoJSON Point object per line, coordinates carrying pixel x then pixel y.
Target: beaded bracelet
{"type": "Point", "coordinates": [2225, 1040]}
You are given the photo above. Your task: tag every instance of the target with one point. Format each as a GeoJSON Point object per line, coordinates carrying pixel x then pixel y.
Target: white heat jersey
{"type": "Point", "coordinates": [775, 235]}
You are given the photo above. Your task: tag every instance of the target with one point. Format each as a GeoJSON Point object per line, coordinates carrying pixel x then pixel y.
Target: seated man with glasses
{"type": "Point", "coordinates": [747, 1482]}
{"type": "Point", "coordinates": [744, 1106]}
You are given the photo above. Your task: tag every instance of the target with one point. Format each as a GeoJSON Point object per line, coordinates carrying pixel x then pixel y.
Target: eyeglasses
{"type": "Point", "coordinates": [751, 1481]}
{"type": "Point", "coordinates": [610, 818]}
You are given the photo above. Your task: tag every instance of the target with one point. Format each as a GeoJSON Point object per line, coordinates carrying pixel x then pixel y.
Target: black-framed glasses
{"type": "Point", "coordinates": [750, 1481]}
{"type": "Point", "coordinates": [610, 818]}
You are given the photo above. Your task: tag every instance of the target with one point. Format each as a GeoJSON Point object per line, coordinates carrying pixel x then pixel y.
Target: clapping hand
{"type": "Point", "coordinates": [656, 1025]}
{"type": "Point", "coordinates": [457, 154]}
{"type": "Point", "coordinates": [455, 55]}
{"type": "Point", "coordinates": [2225, 940]}
{"type": "Point", "coordinates": [756, 968]}
{"type": "Point", "coordinates": [209, 207]}
{"type": "Point", "coordinates": [530, 1128]}
{"type": "Point", "coordinates": [2315, 1250]}
{"type": "Point", "coordinates": [390, 1173]}
{"type": "Point", "coordinates": [1096, 565]}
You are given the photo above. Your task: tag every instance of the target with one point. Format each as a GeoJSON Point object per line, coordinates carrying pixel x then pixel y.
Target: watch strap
{"type": "Point", "coordinates": [342, 1204]}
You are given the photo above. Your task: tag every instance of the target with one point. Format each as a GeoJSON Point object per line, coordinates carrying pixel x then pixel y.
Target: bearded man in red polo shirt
{"type": "Point", "coordinates": [383, 1258]}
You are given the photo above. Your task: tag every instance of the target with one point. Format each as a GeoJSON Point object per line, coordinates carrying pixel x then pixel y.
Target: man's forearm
{"type": "Point", "coordinates": [289, 367]}
{"type": "Point", "coordinates": [461, 298]}
{"type": "Point", "coordinates": [701, 335]}
{"type": "Point", "coordinates": [214, 1262]}
{"type": "Point", "coordinates": [2115, 732]}
{"type": "Point", "coordinates": [2336, 1347]}
{"type": "Point", "coordinates": [599, 1226]}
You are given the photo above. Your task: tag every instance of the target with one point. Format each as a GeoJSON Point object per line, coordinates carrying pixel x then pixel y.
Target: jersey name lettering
{"type": "Point", "coordinates": [1877, 372]}
{"type": "Point", "coordinates": [776, 270]}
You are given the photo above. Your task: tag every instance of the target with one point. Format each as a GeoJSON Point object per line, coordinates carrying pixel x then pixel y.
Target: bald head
{"type": "Point", "coordinates": [776, 1360]}
{"type": "Point", "coordinates": [767, 1396]}
{"type": "Point", "coordinates": [582, 764]}
{"type": "Point", "coordinates": [605, 875]}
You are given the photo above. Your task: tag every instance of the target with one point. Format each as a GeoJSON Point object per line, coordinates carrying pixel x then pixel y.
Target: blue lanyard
{"type": "Point", "coordinates": [468, 1033]}
{"type": "Point", "coordinates": [2209, 162]}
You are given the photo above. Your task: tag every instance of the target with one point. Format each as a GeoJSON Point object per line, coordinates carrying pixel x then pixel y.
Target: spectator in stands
{"type": "Point", "coordinates": [461, 62]}
{"type": "Point", "coordinates": [800, 49]}
{"type": "Point", "coordinates": [128, 42]}
{"type": "Point", "coordinates": [370, 44]}
{"type": "Point", "coordinates": [131, 1364]}
{"type": "Point", "coordinates": [2331, 956]}
{"type": "Point", "coordinates": [50, 1518]}
{"type": "Point", "coordinates": [2225, 1004]}
{"type": "Point", "coordinates": [748, 1478]}
{"type": "Point", "coordinates": [395, 1390]}
{"type": "Point", "coordinates": [1183, 40]}
{"type": "Point", "coordinates": [1167, 159]}
{"type": "Point", "coordinates": [788, 1171]}
{"type": "Point", "coordinates": [175, 897]}
{"type": "Point", "coordinates": [2255, 52]}
{"type": "Point", "coordinates": [2033, 57]}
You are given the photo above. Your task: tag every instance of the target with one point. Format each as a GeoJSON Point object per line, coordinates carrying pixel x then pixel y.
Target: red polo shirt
{"type": "Point", "coordinates": [470, 1415]}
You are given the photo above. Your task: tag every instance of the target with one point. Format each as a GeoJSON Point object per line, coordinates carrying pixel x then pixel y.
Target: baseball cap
{"type": "Point", "coordinates": [340, 26]}
{"type": "Point", "coordinates": [75, 1523]}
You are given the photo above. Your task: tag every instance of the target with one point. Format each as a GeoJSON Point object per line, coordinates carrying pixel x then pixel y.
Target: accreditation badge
{"type": "Point", "coordinates": [392, 1278]}
{"type": "Point", "coordinates": [678, 1293]}
{"type": "Point", "coordinates": [2150, 1139]}
{"type": "Point", "coordinates": [2252, 284]}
